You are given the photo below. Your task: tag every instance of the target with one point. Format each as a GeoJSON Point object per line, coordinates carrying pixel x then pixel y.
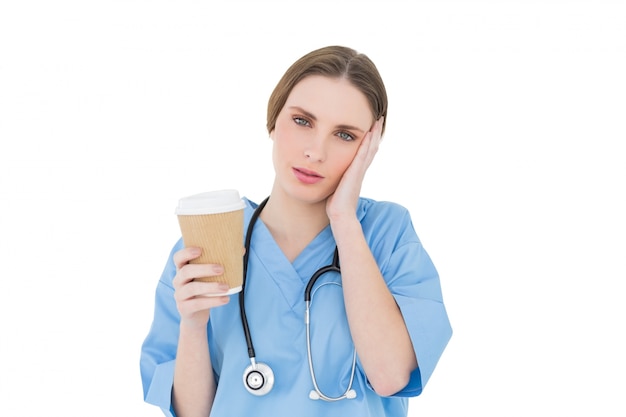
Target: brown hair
{"type": "Point", "coordinates": [336, 62]}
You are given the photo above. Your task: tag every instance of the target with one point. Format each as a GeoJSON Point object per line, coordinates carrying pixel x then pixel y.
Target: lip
{"type": "Point", "coordinates": [307, 176]}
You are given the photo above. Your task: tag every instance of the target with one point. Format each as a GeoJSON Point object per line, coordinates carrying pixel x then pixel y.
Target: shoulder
{"type": "Point", "coordinates": [370, 210]}
{"type": "Point", "coordinates": [249, 203]}
{"type": "Point", "coordinates": [368, 204]}
{"type": "Point", "coordinates": [249, 208]}
{"type": "Point", "coordinates": [385, 221]}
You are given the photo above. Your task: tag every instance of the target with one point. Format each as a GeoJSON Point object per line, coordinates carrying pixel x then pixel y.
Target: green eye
{"type": "Point", "coordinates": [300, 121]}
{"type": "Point", "coordinates": [345, 136]}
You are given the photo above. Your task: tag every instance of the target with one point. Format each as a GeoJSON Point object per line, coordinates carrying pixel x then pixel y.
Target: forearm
{"type": "Point", "coordinates": [376, 323]}
{"type": "Point", "coordinates": [194, 384]}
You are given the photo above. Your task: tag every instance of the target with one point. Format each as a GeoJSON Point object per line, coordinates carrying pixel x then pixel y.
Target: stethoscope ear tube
{"type": "Point", "coordinates": [316, 393]}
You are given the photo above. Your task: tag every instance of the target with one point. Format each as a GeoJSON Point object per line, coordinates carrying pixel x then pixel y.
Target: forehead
{"type": "Point", "coordinates": [334, 100]}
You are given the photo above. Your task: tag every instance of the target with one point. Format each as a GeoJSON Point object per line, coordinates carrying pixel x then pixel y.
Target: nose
{"type": "Point", "coordinates": [315, 149]}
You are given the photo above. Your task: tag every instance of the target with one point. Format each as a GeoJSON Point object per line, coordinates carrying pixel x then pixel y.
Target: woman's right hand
{"type": "Point", "coordinates": [194, 299]}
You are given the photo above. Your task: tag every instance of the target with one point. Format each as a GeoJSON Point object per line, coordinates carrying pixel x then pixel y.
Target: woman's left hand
{"type": "Point", "coordinates": [344, 200]}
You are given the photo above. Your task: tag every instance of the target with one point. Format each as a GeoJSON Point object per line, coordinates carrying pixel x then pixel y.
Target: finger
{"type": "Point", "coordinates": [185, 255]}
{"type": "Point", "coordinates": [361, 158]}
{"type": "Point", "coordinates": [195, 289]}
{"type": "Point", "coordinates": [191, 306]}
{"type": "Point", "coordinates": [368, 149]}
{"type": "Point", "coordinates": [377, 130]}
{"type": "Point", "coordinates": [378, 125]}
{"type": "Point", "coordinates": [205, 303]}
{"type": "Point", "coordinates": [189, 272]}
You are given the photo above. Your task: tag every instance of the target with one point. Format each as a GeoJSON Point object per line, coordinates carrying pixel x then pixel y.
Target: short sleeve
{"type": "Point", "coordinates": [417, 291]}
{"type": "Point", "coordinates": [414, 283]}
{"type": "Point", "coordinates": [158, 352]}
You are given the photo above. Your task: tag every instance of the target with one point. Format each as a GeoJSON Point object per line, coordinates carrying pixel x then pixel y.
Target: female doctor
{"type": "Point", "coordinates": [375, 329]}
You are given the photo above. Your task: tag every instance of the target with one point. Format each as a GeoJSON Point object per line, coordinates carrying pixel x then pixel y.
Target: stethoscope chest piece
{"type": "Point", "coordinates": [258, 378]}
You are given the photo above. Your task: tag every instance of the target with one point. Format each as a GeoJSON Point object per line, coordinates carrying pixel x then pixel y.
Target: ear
{"type": "Point", "coordinates": [272, 134]}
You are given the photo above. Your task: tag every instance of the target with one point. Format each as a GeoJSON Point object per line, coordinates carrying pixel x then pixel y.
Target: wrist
{"type": "Point", "coordinates": [193, 327]}
{"type": "Point", "coordinates": [346, 228]}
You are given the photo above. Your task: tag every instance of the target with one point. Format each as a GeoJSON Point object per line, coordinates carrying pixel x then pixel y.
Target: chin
{"type": "Point", "coordinates": [308, 195]}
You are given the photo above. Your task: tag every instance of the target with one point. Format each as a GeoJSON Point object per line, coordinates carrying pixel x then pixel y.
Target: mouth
{"type": "Point", "coordinates": [307, 176]}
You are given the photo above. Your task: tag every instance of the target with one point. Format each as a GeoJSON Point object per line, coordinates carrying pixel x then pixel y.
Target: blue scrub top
{"type": "Point", "coordinates": [275, 307]}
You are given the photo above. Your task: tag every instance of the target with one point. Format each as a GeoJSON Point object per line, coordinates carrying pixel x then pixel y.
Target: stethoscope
{"type": "Point", "coordinates": [258, 377]}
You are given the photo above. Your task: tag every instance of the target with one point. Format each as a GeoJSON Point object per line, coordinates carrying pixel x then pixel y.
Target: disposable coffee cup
{"type": "Point", "coordinates": [213, 221]}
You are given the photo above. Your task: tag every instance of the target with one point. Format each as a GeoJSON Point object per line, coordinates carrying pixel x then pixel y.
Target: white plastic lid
{"type": "Point", "coordinates": [211, 202]}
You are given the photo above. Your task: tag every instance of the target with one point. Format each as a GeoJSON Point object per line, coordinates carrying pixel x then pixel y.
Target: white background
{"type": "Point", "coordinates": [505, 139]}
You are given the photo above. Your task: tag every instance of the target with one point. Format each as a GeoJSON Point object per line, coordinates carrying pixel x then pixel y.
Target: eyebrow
{"type": "Point", "coordinates": [312, 117]}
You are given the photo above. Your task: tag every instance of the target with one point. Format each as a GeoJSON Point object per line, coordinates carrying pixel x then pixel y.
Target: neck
{"type": "Point", "coordinates": [293, 223]}
{"type": "Point", "coordinates": [290, 218]}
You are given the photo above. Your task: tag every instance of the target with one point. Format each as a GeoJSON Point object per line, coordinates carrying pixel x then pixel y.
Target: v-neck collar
{"type": "Point", "coordinates": [290, 278]}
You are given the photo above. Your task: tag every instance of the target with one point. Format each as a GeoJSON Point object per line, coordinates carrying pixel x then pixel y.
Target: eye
{"type": "Point", "coordinates": [345, 136]}
{"type": "Point", "coordinates": [300, 121]}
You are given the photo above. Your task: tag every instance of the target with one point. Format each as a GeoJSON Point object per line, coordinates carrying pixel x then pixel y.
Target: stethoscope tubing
{"type": "Point", "coordinates": [246, 255]}
{"type": "Point", "coordinates": [334, 267]}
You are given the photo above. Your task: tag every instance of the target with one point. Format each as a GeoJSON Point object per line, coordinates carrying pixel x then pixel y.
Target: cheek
{"type": "Point", "coordinates": [283, 134]}
{"type": "Point", "coordinates": [342, 158]}
{"type": "Point", "coordinates": [284, 145]}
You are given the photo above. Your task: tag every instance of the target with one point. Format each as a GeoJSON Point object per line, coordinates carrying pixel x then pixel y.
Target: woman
{"type": "Point", "coordinates": [326, 118]}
